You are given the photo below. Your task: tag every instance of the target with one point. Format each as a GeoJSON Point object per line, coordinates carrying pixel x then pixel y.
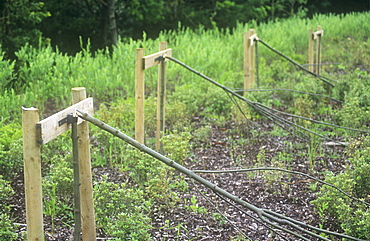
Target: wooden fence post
{"type": "Point", "coordinates": [32, 175]}
{"type": "Point", "coordinates": [248, 59]}
{"type": "Point", "coordinates": [318, 49]}
{"type": "Point", "coordinates": [310, 51]}
{"type": "Point", "coordinates": [139, 96]}
{"type": "Point", "coordinates": [86, 188]}
{"type": "Point", "coordinates": [161, 98]}
{"type": "Point", "coordinates": [314, 50]}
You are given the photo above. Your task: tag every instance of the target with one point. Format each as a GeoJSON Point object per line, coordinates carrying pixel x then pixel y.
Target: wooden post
{"type": "Point", "coordinates": [32, 175]}
{"type": "Point", "coordinates": [86, 188]}
{"type": "Point", "coordinates": [318, 49]}
{"type": "Point", "coordinates": [310, 51]}
{"type": "Point", "coordinates": [139, 95]}
{"type": "Point", "coordinates": [161, 98]}
{"type": "Point", "coordinates": [248, 59]}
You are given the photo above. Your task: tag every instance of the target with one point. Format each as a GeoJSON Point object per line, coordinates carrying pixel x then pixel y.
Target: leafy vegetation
{"type": "Point", "coordinates": [43, 77]}
{"type": "Point", "coordinates": [352, 216]}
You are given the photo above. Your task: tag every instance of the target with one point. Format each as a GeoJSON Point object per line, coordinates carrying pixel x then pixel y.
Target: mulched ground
{"type": "Point", "coordinates": [229, 148]}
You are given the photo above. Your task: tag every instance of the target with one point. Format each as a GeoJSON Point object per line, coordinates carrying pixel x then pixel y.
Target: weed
{"type": "Point", "coordinates": [193, 206]}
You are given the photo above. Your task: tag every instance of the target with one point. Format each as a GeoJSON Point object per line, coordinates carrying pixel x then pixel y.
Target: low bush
{"type": "Point", "coordinates": [11, 150]}
{"type": "Point", "coordinates": [7, 230]}
{"type": "Point", "coordinates": [122, 212]}
{"type": "Point", "coordinates": [352, 216]}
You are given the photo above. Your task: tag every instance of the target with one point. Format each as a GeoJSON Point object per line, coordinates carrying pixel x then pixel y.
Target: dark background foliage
{"type": "Point", "coordinates": [102, 21]}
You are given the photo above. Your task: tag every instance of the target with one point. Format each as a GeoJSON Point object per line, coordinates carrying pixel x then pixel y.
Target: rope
{"type": "Point", "coordinates": [323, 78]}
{"type": "Point", "coordinates": [265, 110]}
{"type": "Point", "coordinates": [249, 215]}
{"type": "Point", "coordinates": [283, 170]}
{"type": "Point", "coordinates": [219, 211]}
{"type": "Point", "coordinates": [264, 216]}
{"type": "Point", "coordinates": [296, 91]}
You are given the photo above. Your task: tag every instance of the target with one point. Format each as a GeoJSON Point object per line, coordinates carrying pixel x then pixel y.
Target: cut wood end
{"type": "Point", "coordinates": [78, 88]}
{"type": "Point", "coordinates": [29, 109]}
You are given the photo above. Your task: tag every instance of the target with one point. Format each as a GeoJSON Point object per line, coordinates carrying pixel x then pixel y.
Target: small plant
{"type": "Point", "coordinates": [202, 134]}
{"type": "Point", "coordinates": [313, 150]}
{"type": "Point", "coordinates": [194, 206]}
{"type": "Point", "coordinates": [219, 217]}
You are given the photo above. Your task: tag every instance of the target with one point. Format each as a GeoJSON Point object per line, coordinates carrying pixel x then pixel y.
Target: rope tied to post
{"type": "Point", "coordinates": [323, 78]}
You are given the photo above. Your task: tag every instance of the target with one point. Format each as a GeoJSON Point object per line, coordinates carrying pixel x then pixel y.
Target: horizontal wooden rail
{"type": "Point", "coordinates": [154, 59]}
{"type": "Point", "coordinates": [55, 125]}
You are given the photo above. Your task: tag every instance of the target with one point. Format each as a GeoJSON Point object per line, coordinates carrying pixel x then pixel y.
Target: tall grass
{"type": "Point", "coordinates": [41, 74]}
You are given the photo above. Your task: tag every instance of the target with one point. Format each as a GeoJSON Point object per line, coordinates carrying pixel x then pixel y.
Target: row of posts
{"type": "Point", "coordinates": [37, 133]}
{"type": "Point", "coordinates": [250, 38]}
{"type": "Point", "coordinates": [314, 54]}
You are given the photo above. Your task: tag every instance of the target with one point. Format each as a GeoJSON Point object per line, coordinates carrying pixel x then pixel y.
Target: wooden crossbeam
{"type": "Point", "coordinates": [55, 125]}
{"type": "Point", "coordinates": [318, 34]}
{"type": "Point", "coordinates": [154, 59]}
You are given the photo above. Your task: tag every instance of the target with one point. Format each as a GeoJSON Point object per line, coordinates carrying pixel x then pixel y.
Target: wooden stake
{"type": "Point", "coordinates": [248, 60]}
{"type": "Point", "coordinates": [139, 95]}
{"type": "Point", "coordinates": [161, 98]}
{"type": "Point", "coordinates": [310, 51]}
{"type": "Point", "coordinates": [86, 188]}
{"type": "Point", "coordinates": [32, 175]}
{"type": "Point", "coordinates": [318, 50]}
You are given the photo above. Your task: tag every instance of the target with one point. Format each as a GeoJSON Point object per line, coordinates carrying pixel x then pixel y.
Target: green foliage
{"type": "Point", "coordinates": [5, 192]}
{"type": "Point", "coordinates": [177, 146]}
{"type": "Point", "coordinates": [122, 212]}
{"type": "Point", "coordinates": [355, 111]}
{"type": "Point", "coordinates": [207, 101]}
{"type": "Point", "coordinates": [58, 190]}
{"type": "Point", "coordinates": [7, 72]}
{"type": "Point", "coordinates": [120, 114]}
{"type": "Point", "coordinates": [193, 205]}
{"type": "Point", "coordinates": [7, 230]}
{"type": "Point", "coordinates": [19, 23]}
{"type": "Point", "coordinates": [352, 216]}
{"type": "Point", "coordinates": [57, 183]}
{"type": "Point", "coordinates": [11, 150]}
{"type": "Point", "coordinates": [42, 75]}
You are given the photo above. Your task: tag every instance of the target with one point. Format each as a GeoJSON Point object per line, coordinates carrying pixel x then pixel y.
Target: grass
{"type": "Point", "coordinates": [41, 75]}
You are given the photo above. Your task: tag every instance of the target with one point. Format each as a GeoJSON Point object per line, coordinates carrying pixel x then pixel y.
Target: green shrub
{"type": "Point", "coordinates": [58, 190]}
{"type": "Point", "coordinates": [7, 230]}
{"type": "Point", "coordinates": [122, 212]}
{"type": "Point", "coordinates": [176, 146]}
{"type": "Point", "coordinates": [355, 111]}
{"type": "Point", "coordinates": [11, 150]}
{"type": "Point", "coordinates": [352, 216]}
{"type": "Point", "coordinates": [7, 72]}
{"type": "Point", "coordinates": [205, 100]}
